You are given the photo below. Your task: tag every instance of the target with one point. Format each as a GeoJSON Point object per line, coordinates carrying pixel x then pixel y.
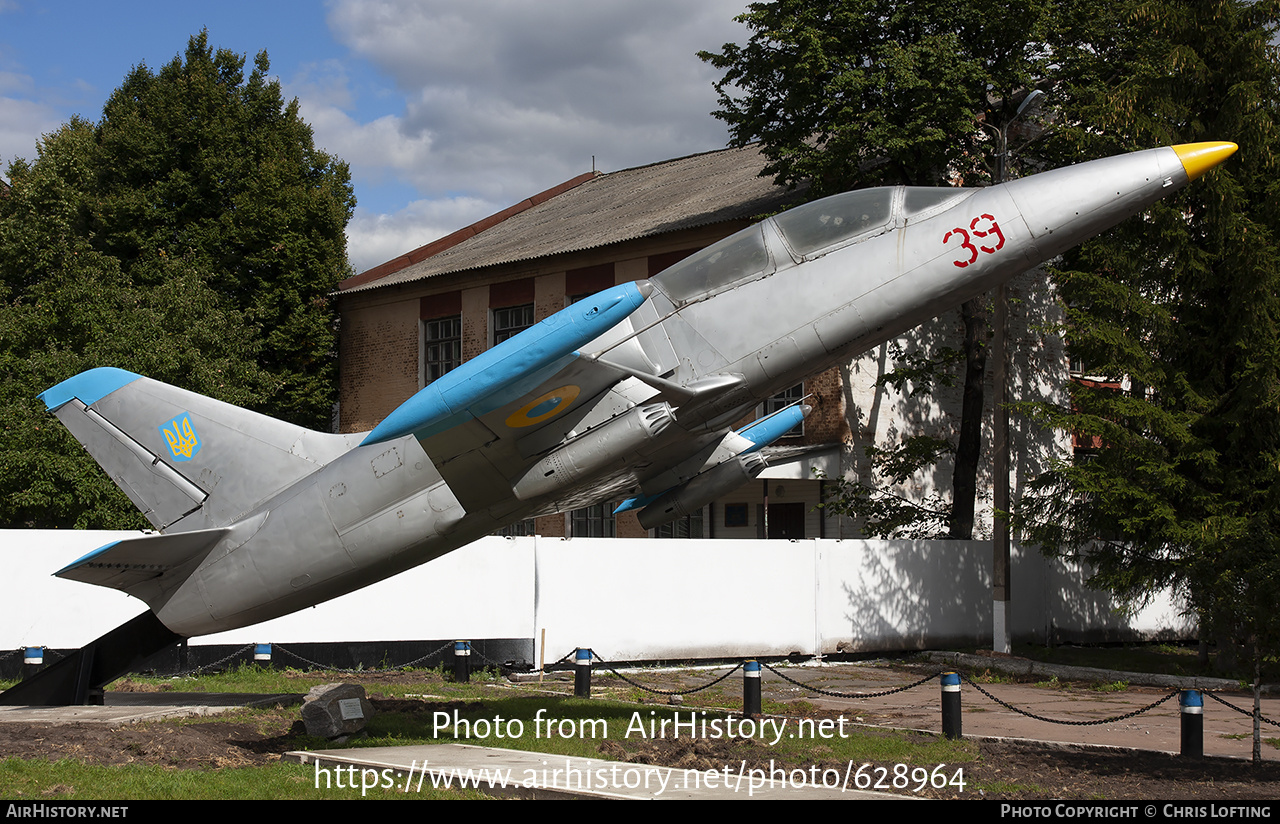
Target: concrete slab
{"type": "Point", "coordinates": [520, 774]}
{"type": "Point", "coordinates": [131, 707]}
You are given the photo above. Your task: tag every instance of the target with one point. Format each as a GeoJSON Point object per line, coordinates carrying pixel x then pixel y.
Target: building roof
{"type": "Point", "coordinates": [594, 210]}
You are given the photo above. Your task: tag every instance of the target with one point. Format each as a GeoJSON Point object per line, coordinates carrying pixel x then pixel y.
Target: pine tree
{"type": "Point", "coordinates": [1178, 312]}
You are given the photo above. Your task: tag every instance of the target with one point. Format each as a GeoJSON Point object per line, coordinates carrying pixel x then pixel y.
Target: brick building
{"type": "Point", "coordinates": [411, 319]}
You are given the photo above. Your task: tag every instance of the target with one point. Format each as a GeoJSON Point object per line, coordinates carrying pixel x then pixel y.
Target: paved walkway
{"type": "Point", "coordinates": [519, 774]}
{"type": "Point", "coordinates": [1227, 732]}
{"type": "Point", "coordinates": [132, 707]}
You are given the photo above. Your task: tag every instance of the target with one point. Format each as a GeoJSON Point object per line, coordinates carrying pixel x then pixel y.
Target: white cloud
{"type": "Point", "coordinates": [19, 120]}
{"type": "Point", "coordinates": [375, 150]}
{"type": "Point", "coordinates": [506, 98]}
{"type": "Point", "coordinates": [375, 238]}
{"type": "Point", "coordinates": [15, 82]}
{"type": "Point", "coordinates": [323, 83]}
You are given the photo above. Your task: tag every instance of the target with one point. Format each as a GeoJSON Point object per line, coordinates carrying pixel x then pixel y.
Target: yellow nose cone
{"type": "Point", "coordinates": [1198, 158]}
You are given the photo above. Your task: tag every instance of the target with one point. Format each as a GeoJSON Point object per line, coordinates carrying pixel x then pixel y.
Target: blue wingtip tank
{"type": "Point", "coordinates": [767, 430]}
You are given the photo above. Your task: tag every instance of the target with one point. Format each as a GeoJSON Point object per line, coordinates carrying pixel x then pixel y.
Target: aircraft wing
{"type": "Point", "coordinates": [484, 423]}
{"type": "Point", "coordinates": [483, 460]}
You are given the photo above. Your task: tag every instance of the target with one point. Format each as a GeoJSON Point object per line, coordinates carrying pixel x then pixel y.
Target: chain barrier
{"type": "Point", "coordinates": [653, 690]}
{"type": "Point", "coordinates": [563, 658]}
{"type": "Point", "coordinates": [978, 687]}
{"type": "Point", "coordinates": [319, 666]}
{"type": "Point", "coordinates": [834, 694]}
{"type": "Point", "coordinates": [1097, 722]}
{"type": "Point", "coordinates": [211, 665]}
{"type": "Point", "coordinates": [1241, 710]}
{"type": "Point", "coordinates": [501, 665]}
{"type": "Point", "coordinates": [830, 693]}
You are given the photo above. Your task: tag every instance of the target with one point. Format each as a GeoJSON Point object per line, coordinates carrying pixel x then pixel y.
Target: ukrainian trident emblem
{"type": "Point", "coordinates": [181, 437]}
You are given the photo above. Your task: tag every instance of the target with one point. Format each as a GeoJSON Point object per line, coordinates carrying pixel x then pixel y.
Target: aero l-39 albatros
{"type": "Point", "coordinates": [629, 393]}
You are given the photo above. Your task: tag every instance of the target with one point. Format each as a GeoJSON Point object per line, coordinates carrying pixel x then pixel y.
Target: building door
{"type": "Point", "coordinates": [786, 521]}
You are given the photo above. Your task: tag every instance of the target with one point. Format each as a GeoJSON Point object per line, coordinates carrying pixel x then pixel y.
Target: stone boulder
{"type": "Point", "coordinates": [333, 710]}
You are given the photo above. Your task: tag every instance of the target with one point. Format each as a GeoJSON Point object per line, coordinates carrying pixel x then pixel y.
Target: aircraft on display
{"type": "Point", "coordinates": [629, 394]}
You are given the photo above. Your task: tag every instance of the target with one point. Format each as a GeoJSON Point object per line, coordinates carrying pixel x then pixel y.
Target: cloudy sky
{"type": "Point", "coordinates": [447, 111]}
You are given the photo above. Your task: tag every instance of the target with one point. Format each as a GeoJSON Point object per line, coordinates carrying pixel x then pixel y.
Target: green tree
{"type": "Point", "coordinates": [1179, 312]}
{"type": "Point", "coordinates": [200, 163]}
{"type": "Point", "coordinates": [849, 93]}
{"type": "Point", "coordinates": [192, 236]}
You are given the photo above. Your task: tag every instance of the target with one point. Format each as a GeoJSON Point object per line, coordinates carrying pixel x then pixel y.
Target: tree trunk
{"type": "Point", "coordinates": [964, 481]}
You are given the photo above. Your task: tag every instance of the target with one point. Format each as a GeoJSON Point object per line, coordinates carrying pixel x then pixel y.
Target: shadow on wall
{"type": "Point", "coordinates": [882, 415]}
{"type": "Point", "coordinates": [916, 594]}
{"type": "Point", "coordinates": [925, 594]}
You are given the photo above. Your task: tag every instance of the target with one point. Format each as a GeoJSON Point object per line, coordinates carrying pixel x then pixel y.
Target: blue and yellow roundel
{"type": "Point", "coordinates": [543, 407]}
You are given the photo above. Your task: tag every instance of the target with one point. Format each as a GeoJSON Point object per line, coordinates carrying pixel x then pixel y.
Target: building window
{"type": "Point", "coordinates": [594, 521]}
{"type": "Point", "coordinates": [442, 347]}
{"type": "Point", "coordinates": [781, 401]}
{"type": "Point", "coordinates": [517, 529]}
{"type": "Point", "coordinates": [511, 321]}
{"type": "Point", "coordinates": [690, 526]}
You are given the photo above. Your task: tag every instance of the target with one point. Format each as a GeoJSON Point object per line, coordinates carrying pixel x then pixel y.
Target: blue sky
{"type": "Point", "coordinates": [446, 111]}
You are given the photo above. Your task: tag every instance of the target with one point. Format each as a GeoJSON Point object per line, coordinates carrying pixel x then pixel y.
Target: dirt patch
{"type": "Point", "coordinates": [191, 744]}
{"type": "Point", "coordinates": [211, 744]}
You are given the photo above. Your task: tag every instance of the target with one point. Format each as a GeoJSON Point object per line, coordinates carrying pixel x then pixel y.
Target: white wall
{"type": "Point", "coordinates": [40, 610]}
{"type": "Point", "coordinates": [628, 599]}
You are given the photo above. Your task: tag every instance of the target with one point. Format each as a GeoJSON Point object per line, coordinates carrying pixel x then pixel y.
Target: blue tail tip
{"type": "Point", "coordinates": [88, 387]}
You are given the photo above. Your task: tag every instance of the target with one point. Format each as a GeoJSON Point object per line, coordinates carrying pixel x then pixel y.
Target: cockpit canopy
{"type": "Point", "coordinates": [810, 231]}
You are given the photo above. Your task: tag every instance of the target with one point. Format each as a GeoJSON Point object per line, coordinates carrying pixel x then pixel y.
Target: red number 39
{"type": "Point", "coordinates": [966, 239]}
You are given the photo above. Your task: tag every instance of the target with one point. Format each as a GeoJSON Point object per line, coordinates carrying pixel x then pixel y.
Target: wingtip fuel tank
{"type": "Point", "coordinates": [633, 393]}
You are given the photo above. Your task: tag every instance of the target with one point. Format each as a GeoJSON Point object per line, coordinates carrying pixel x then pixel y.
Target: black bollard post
{"type": "Point", "coordinates": [262, 655]}
{"type": "Point", "coordinates": [1191, 702]}
{"type": "Point", "coordinates": [582, 673]}
{"type": "Point", "coordinates": [461, 662]}
{"type": "Point", "coordinates": [32, 661]}
{"type": "Point", "coordinates": [751, 689]}
{"type": "Point", "coordinates": [951, 723]}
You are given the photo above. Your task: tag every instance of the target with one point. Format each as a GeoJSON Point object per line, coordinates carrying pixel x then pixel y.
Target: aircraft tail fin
{"type": "Point", "coordinates": [179, 455]}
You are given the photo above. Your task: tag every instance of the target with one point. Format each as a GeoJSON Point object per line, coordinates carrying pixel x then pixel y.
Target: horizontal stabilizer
{"type": "Point", "coordinates": [125, 564]}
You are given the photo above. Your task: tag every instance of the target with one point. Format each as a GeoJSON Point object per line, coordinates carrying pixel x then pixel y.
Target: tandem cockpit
{"type": "Point", "coordinates": [800, 234]}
